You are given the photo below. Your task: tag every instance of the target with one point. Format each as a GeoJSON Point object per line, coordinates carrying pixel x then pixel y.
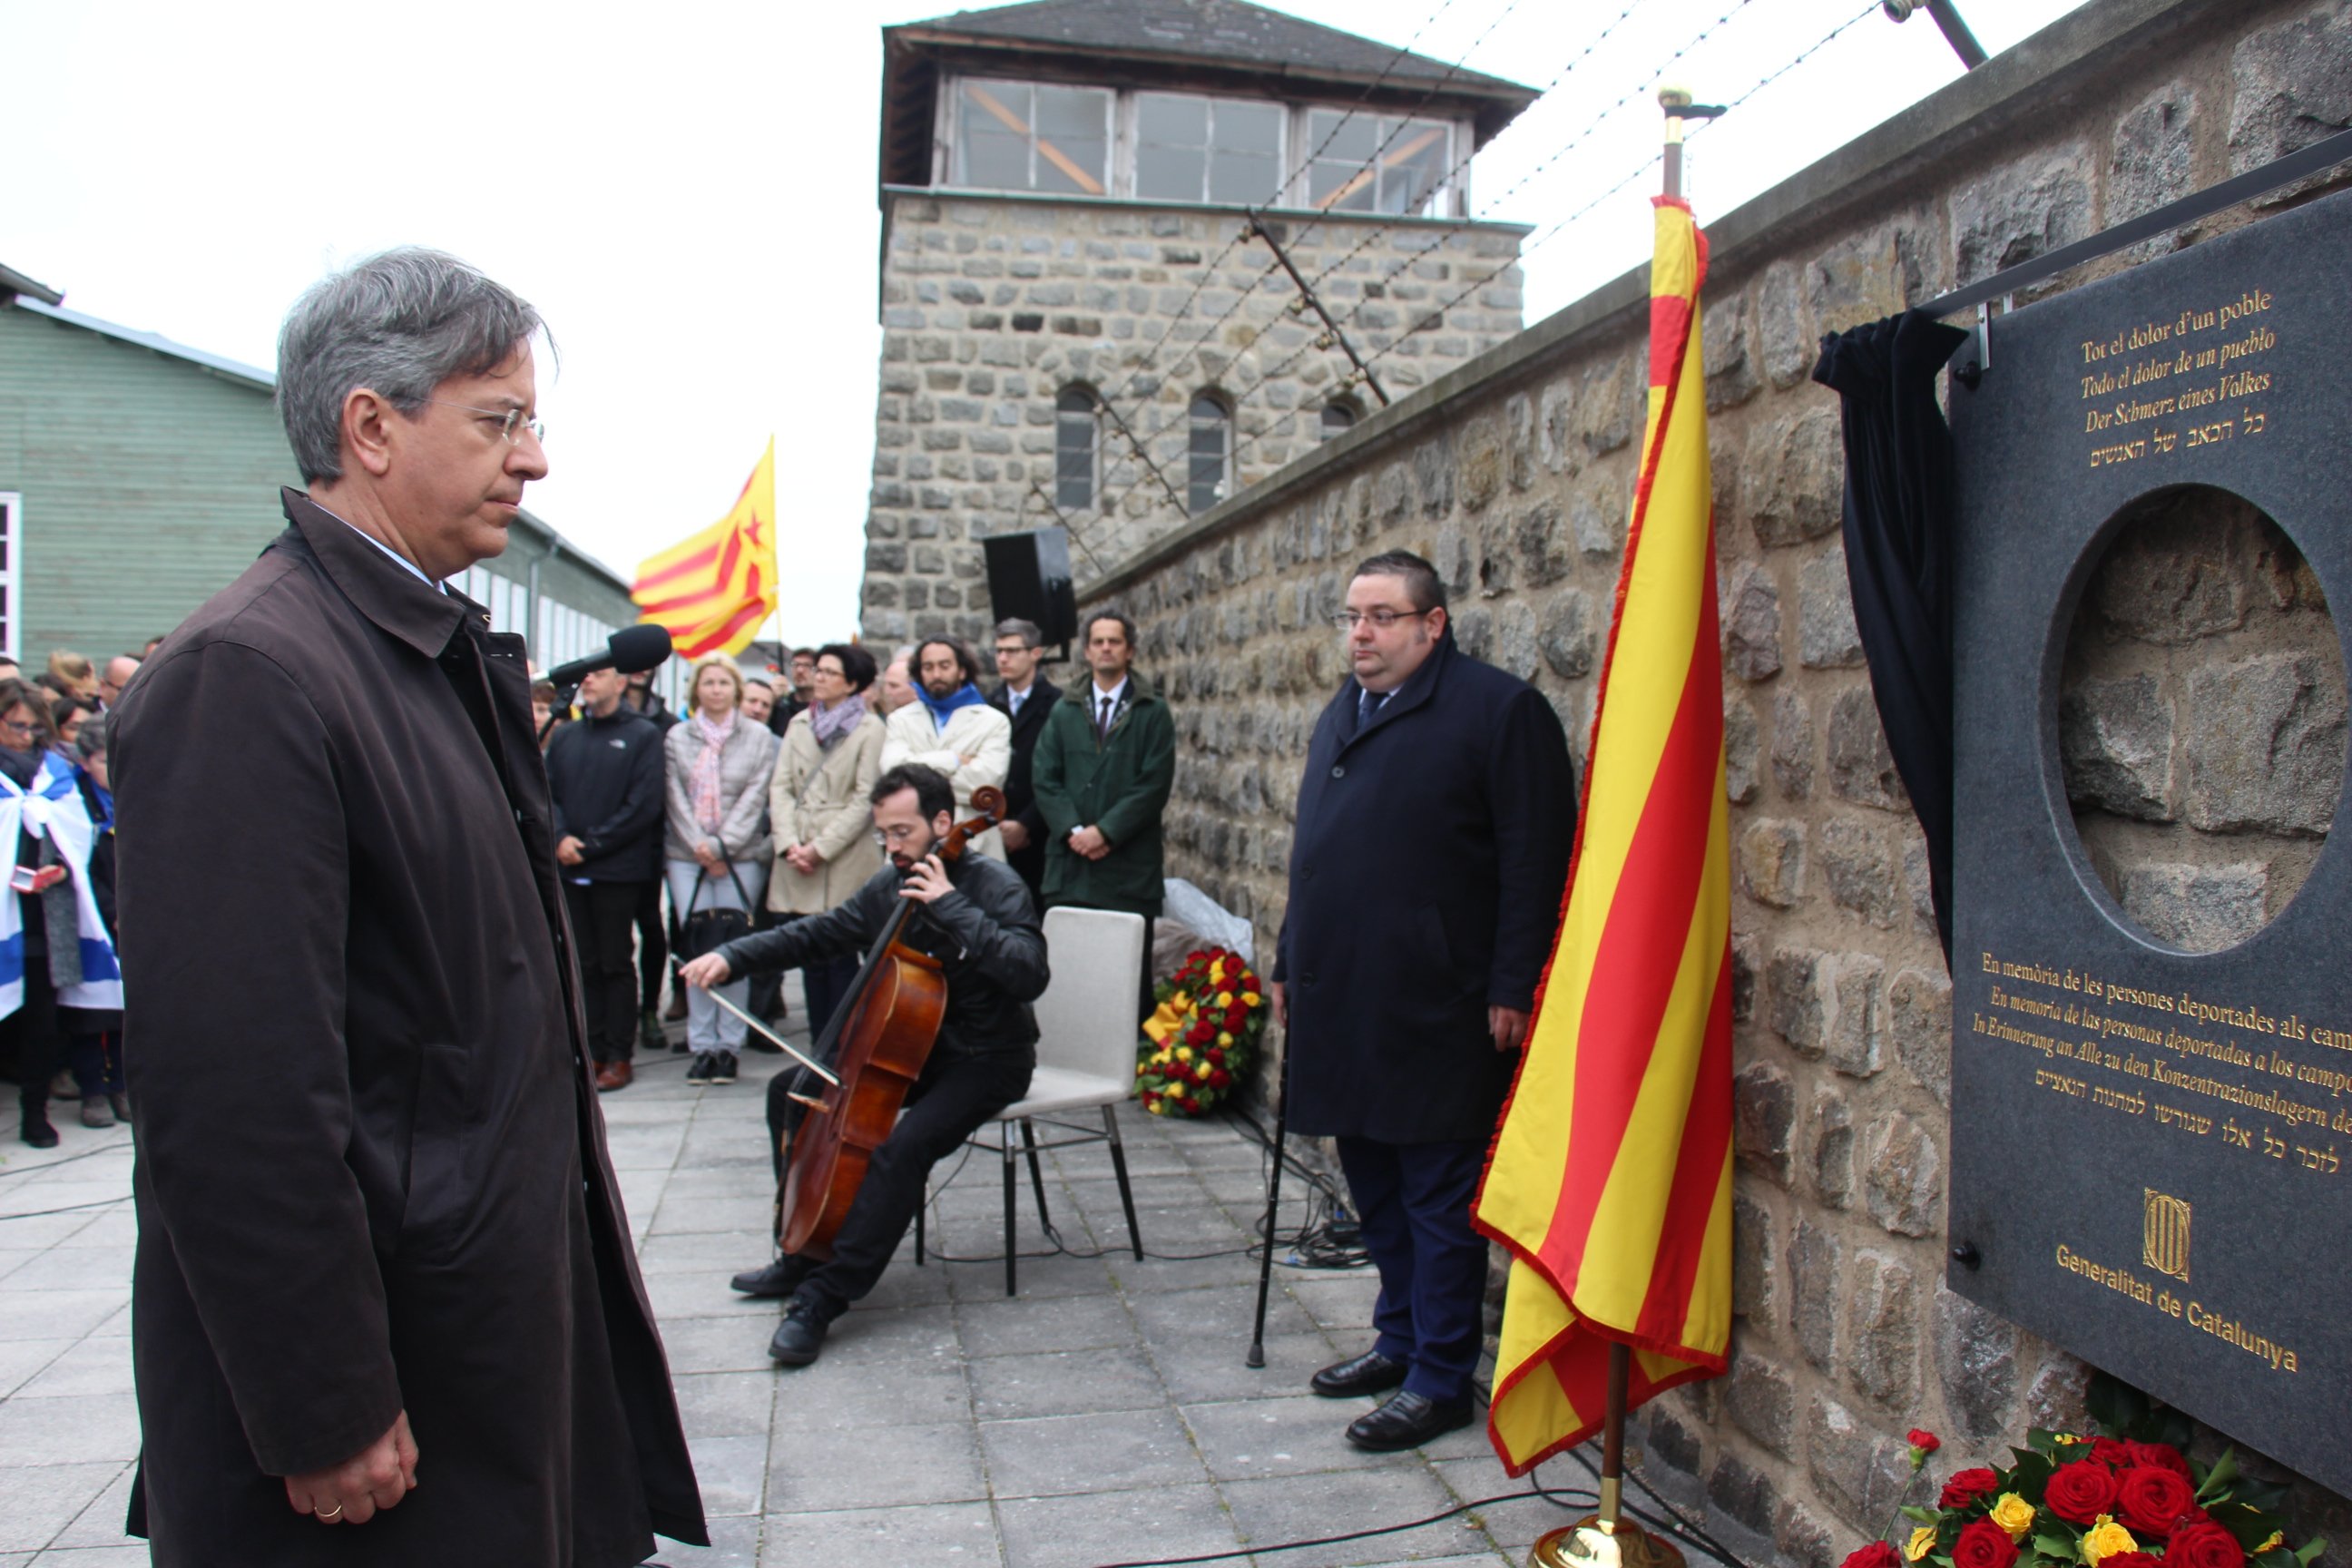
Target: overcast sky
{"type": "Point", "coordinates": [691, 199]}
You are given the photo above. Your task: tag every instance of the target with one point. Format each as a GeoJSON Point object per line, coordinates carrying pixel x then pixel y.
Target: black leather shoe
{"type": "Point", "coordinates": [1407, 1421]}
{"type": "Point", "coordinates": [37, 1132]}
{"type": "Point", "coordinates": [1368, 1373]}
{"type": "Point", "coordinates": [801, 1334]}
{"type": "Point", "coordinates": [777, 1280]}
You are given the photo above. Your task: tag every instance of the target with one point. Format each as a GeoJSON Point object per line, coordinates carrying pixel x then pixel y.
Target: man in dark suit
{"type": "Point", "coordinates": [1025, 698]}
{"type": "Point", "coordinates": [1434, 823]}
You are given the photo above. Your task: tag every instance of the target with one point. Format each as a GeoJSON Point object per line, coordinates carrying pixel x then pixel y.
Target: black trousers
{"type": "Point", "coordinates": [603, 915]}
{"type": "Point", "coordinates": [654, 939]}
{"type": "Point", "coordinates": [955, 1098]}
{"type": "Point", "coordinates": [1414, 1200]}
{"type": "Point", "coordinates": [766, 999]}
{"type": "Point", "coordinates": [35, 1036]}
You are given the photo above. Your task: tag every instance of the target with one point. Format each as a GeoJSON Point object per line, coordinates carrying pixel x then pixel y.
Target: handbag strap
{"type": "Point", "coordinates": [700, 876]}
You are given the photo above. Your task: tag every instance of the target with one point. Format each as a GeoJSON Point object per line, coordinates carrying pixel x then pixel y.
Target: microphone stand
{"type": "Point", "coordinates": [1256, 1357]}
{"type": "Point", "coordinates": [557, 710]}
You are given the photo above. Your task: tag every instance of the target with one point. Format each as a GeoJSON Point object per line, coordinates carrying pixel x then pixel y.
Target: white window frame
{"type": "Point", "coordinates": [1130, 143]}
{"type": "Point", "coordinates": [951, 148]}
{"type": "Point", "coordinates": [11, 576]}
{"type": "Point", "coordinates": [1452, 199]}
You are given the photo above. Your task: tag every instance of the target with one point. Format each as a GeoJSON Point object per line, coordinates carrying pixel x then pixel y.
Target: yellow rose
{"type": "Point", "coordinates": [1252, 999]}
{"type": "Point", "coordinates": [2013, 1514]}
{"type": "Point", "coordinates": [1224, 1000]}
{"type": "Point", "coordinates": [2105, 1538]}
{"type": "Point", "coordinates": [1223, 1038]}
{"type": "Point", "coordinates": [1922, 1542]}
{"type": "Point", "coordinates": [1183, 1053]}
{"type": "Point", "coordinates": [1203, 1071]}
{"type": "Point", "coordinates": [2277, 1540]}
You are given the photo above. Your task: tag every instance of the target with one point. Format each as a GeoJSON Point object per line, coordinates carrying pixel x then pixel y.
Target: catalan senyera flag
{"type": "Point", "coordinates": [1610, 1179]}
{"type": "Point", "coordinates": [713, 591]}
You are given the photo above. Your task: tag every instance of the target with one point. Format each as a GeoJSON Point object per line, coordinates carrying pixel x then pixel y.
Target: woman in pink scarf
{"type": "Point", "coordinates": [717, 840]}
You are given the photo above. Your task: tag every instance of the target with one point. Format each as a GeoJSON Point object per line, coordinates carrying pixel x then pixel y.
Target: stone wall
{"type": "Point", "coordinates": [991, 306]}
{"type": "Point", "coordinates": [1514, 474]}
{"type": "Point", "coordinates": [2201, 718]}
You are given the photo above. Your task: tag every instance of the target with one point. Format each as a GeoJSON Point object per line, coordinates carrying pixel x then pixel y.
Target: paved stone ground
{"type": "Point", "coordinates": [1102, 1415]}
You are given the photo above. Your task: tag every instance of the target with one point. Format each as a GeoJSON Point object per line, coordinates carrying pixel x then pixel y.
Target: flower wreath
{"type": "Point", "coordinates": [1197, 1044]}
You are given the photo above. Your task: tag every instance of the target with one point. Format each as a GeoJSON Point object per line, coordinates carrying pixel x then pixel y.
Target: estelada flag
{"type": "Point", "coordinates": [714, 590]}
{"type": "Point", "coordinates": [1610, 1179]}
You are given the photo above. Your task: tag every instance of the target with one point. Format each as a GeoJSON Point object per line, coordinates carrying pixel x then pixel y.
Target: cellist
{"type": "Point", "coordinates": [976, 918]}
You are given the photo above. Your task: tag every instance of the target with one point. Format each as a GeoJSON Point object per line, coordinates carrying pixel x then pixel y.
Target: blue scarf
{"type": "Point", "coordinates": [944, 708]}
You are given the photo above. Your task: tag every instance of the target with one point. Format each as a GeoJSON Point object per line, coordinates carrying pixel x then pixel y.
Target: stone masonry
{"type": "Point", "coordinates": [993, 306]}
{"type": "Point", "coordinates": [1514, 474]}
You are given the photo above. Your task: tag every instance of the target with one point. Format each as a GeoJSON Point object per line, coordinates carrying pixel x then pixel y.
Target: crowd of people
{"type": "Point", "coordinates": [751, 810]}
{"type": "Point", "coordinates": [60, 985]}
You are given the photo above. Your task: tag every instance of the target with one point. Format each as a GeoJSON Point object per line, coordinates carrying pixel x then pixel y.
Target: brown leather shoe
{"type": "Point", "coordinates": [613, 1075]}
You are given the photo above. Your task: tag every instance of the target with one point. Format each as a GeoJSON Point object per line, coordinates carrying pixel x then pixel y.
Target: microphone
{"type": "Point", "coordinates": [629, 650]}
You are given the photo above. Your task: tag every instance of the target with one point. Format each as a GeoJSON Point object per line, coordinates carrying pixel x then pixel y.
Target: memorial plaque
{"type": "Point", "coordinates": [2151, 1149]}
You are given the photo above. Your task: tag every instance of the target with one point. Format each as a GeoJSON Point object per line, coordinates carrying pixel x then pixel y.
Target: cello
{"type": "Point", "coordinates": [879, 1039]}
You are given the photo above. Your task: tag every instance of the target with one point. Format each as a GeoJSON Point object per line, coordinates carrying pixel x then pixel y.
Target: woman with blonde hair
{"type": "Point", "coordinates": [716, 842]}
{"type": "Point", "coordinates": [825, 827]}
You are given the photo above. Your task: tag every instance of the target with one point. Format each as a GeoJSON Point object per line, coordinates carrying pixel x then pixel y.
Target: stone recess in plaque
{"type": "Point", "coordinates": [2152, 1146]}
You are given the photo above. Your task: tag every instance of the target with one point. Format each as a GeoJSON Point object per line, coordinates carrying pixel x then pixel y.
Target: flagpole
{"type": "Point", "coordinates": [1606, 1540]}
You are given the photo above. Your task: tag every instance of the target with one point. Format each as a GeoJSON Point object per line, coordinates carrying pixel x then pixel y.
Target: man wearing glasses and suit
{"type": "Point", "coordinates": [1435, 822]}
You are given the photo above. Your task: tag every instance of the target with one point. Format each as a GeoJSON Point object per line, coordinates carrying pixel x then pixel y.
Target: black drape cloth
{"type": "Point", "coordinates": [1898, 555]}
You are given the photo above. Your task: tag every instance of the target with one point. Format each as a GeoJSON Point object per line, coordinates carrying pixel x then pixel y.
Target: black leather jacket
{"type": "Point", "coordinates": [985, 933]}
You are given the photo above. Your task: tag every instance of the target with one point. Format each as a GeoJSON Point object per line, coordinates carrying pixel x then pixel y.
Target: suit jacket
{"type": "Point", "coordinates": [1426, 870]}
{"type": "Point", "coordinates": [1020, 795]}
{"type": "Point", "coordinates": [371, 1170]}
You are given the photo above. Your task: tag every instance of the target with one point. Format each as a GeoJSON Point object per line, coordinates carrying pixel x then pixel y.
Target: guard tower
{"type": "Point", "coordinates": [1084, 318]}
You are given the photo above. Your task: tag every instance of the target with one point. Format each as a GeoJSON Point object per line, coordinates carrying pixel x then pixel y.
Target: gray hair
{"type": "Point", "coordinates": [91, 739]}
{"type": "Point", "coordinates": [1030, 633]}
{"type": "Point", "coordinates": [399, 324]}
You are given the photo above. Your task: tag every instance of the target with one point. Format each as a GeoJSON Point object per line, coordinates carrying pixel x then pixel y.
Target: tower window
{"type": "Point", "coordinates": [1377, 164]}
{"type": "Point", "coordinates": [1191, 149]}
{"type": "Point", "coordinates": [1032, 136]}
{"type": "Point", "coordinates": [1210, 479]}
{"type": "Point", "coordinates": [1078, 450]}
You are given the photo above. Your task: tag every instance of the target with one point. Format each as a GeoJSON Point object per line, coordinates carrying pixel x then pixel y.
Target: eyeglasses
{"type": "Point", "coordinates": [1381, 618]}
{"type": "Point", "coordinates": [20, 727]}
{"type": "Point", "coordinates": [901, 833]}
{"type": "Point", "coordinates": [512, 423]}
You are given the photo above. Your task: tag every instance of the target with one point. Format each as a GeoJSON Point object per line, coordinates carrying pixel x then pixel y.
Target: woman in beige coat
{"type": "Point", "coordinates": [824, 823]}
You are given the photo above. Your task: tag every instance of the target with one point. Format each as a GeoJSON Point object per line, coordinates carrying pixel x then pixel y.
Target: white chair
{"type": "Point", "coordinates": [1087, 1044]}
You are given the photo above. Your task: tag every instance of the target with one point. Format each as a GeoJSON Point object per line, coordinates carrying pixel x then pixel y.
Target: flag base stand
{"type": "Point", "coordinates": [1593, 1543]}
{"type": "Point", "coordinates": [1608, 1538]}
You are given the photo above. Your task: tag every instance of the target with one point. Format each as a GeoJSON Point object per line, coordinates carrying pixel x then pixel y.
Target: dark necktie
{"type": "Point", "coordinates": [1367, 704]}
{"type": "Point", "coordinates": [1102, 715]}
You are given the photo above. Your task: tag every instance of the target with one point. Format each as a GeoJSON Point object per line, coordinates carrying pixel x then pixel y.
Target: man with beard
{"type": "Point", "coordinates": [976, 918]}
{"type": "Point", "coordinates": [951, 729]}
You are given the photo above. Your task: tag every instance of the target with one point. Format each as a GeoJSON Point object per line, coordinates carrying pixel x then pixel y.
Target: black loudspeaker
{"type": "Point", "coordinates": [1029, 579]}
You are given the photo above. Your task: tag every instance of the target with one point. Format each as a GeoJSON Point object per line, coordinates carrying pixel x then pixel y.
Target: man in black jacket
{"type": "Point", "coordinates": [605, 773]}
{"type": "Point", "coordinates": [1433, 825]}
{"type": "Point", "coordinates": [1025, 698]}
{"type": "Point", "coordinates": [977, 919]}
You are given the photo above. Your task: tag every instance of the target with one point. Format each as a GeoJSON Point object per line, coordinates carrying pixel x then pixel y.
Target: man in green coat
{"type": "Point", "coordinates": [1101, 771]}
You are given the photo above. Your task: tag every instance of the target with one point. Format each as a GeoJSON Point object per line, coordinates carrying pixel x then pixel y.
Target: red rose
{"type": "Point", "coordinates": [1199, 1034]}
{"type": "Point", "coordinates": [1877, 1555]}
{"type": "Point", "coordinates": [2112, 1451]}
{"type": "Point", "coordinates": [2080, 1492]}
{"type": "Point", "coordinates": [1968, 1486]}
{"type": "Point", "coordinates": [1220, 1078]}
{"type": "Point", "coordinates": [2150, 1501]}
{"type": "Point", "coordinates": [1216, 1056]}
{"type": "Point", "coordinates": [2204, 1545]}
{"type": "Point", "coordinates": [2157, 1457]}
{"type": "Point", "coordinates": [1983, 1544]}
{"type": "Point", "coordinates": [1924, 1441]}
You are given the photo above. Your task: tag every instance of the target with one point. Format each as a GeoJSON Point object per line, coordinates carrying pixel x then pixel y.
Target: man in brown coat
{"type": "Point", "coordinates": [385, 1309]}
